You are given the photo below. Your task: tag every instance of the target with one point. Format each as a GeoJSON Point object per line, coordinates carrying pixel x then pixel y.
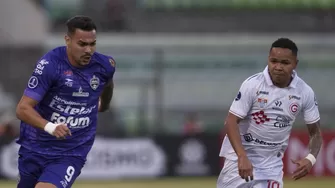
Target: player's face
{"type": "Point", "coordinates": [81, 45]}
{"type": "Point", "coordinates": [281, 64]}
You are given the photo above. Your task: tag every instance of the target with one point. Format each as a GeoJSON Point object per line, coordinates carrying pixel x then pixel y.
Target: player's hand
{"type": "Point", "coordinates": [61, 131]}
{"type": "Point", "coordinates": [245, 168]}
{"type": "Point", "coordinates": [58, 130]}
{"type": "Point", "coordinates": [304, 166]}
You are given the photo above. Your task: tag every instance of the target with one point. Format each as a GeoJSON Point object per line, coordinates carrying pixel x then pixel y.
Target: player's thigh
{"type": "Point", "coordinates": [45, 185]}
{"type": "Point", "coordinates": [62, 173]}
{"type": "Point", "coordinates": [229, 176]}
{"type": "Point", "coordinates": [30, 168]}
{"type": "Point", "coordinates": [268, 184]}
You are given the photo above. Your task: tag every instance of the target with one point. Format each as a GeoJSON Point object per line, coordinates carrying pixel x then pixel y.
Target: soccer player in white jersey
{"type": "Point", "coordinates": [260, 120]}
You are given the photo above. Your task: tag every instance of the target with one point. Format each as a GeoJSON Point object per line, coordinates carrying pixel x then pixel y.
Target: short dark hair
{"type": "Point", "coordinates": [84, 23]}
{"type": "Point", "coordinates": [285, 43]}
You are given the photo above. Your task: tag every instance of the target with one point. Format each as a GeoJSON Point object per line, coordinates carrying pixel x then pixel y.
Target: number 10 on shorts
{"type": "Point", "coordinates": [273, 184]}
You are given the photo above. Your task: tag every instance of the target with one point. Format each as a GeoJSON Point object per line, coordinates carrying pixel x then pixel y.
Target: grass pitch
{"type": "Point", "coordinates": [184, 183]}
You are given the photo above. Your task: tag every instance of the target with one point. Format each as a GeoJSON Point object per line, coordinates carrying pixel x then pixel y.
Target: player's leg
{"type": "Point", "coordinates": [229, 176]}
{"type": "Point", "coordinates": [26, 181]}
{"type": "Point", "coordinates": [45, 185]}
{"type": "Point", "coordinates": [61, 173]}
{"type": "Point", "coordinates": [30, 168]}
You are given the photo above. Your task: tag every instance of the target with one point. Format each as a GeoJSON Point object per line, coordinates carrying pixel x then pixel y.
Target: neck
{"type": "Point", "coordinates": [280, 85]}
{"type": "Point", "coordinates": [284, 84]}
{"type": "Point", "coordinates": [71, 59]}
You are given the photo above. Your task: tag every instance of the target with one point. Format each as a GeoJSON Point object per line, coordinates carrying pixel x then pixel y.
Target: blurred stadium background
{"type": "Point", "coordinates": [179, 66]}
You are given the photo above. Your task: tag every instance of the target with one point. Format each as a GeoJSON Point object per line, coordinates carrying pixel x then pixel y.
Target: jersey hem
{"type": "Point", "coordinates": [314, 121]}
{"type": "Point", "coordinates": [32, 94]}
{"type": "Point", "coordinates": [232, 158]}
{"type": "Point", "coordinates": [51, 154]}
{"type": "Point", "coordinates": [236, 114]}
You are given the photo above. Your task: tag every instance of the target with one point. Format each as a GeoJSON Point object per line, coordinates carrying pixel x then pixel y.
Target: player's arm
{"type": "Point", "coordinates": [107, 93]}
{"type": "Point", "coordinates": [315, 138]}
{"type": "Point", "coordinates": [233, 134]}
{"type": "Point", "coordinates": [312, 119]}
{"type": "Point", "coordinates": [37, 87]}
{"type": "Point", "coordinates": [238, 110]}
{"type": "Point", "coordinates": [25, 111]}
{"type": "Point", "coordinates": [106, 96]}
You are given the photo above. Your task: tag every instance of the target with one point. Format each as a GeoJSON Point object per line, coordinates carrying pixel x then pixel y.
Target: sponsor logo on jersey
{"type": "Point", "coordinates": [68, 73]}
{"type": "Point", "coordinates": [40, 66]}
{"type": "Point", "coordinates": [262, 92]}
{"type": "Point", "coordinates": [282, 121]}
{"type": "Point", "coordinates": [60, 100]}
{"type": "Point", "coordinates": [80, 93]}
{"type": "Point", "coordinates": [68, 82]}
{"type": "Point", "coordinates": [293, 97]}
{"type": "Point", "coordinates": [75, 116]}
{"type": "Point", "coordinates": [249, 138]}
{"type": "Point", "coordinates": [33, 82]}
{"type": "Point", "coordinates": [277, 106]}
{"type": "Point", "coordinates": [262, 102]}
{"type": "Point", "coordinates": [238, 97]}
{"type": "Point", "coordinates": [278, 103]}
{"type": "Point", "coordinates": [260, 117]}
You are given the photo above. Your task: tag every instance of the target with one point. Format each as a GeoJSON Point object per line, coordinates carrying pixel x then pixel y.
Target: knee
{"type": "Point", "coordinates": [44, 185]}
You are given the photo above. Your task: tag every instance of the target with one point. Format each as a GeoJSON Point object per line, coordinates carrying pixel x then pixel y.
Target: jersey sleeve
{"type": "Point", "coordinates": [41, 79]}
{"type": "Point", "coordinates": [310, 108]}
{"type": "Point", "coordinates": [243, 101]}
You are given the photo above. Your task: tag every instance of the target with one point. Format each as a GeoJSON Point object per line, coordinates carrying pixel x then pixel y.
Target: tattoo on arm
{"type": "Point", "coordinates": [315, 138]}
{"type": "Point", "coordinates": [106, 96]}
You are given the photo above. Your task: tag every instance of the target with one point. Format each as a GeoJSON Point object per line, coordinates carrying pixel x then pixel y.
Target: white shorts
{"type": "Point", "coordinates": [230, 178]}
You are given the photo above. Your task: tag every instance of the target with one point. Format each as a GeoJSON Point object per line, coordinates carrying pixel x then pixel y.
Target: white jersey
{"type": "Point", "coordinates": [268, 113]}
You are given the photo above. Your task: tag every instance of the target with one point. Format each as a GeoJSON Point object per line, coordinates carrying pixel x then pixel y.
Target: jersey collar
{"type": "Point", "coordinates": [268, 80]}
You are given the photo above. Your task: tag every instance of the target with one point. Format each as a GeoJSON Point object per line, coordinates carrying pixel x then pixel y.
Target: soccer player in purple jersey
{"type": "Point", "coordinates": [58, 110]}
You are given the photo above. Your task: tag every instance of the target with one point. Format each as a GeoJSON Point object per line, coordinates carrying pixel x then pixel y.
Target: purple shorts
{"type": "Point", "coordinates": [60, 171]}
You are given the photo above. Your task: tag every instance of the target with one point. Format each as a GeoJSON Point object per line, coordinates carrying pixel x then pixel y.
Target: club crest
{"type": "Point", "coordinates": [94, 82]}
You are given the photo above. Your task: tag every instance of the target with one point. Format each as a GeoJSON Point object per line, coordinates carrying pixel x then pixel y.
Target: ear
{"type": "Point", "coordinates": [296, 64]}
{"type": "Point", "coordinates": [67, 40]}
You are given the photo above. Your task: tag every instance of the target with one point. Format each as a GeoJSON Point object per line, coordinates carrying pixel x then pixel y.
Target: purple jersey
{"type": "Point", "coordinates": [69, 95]}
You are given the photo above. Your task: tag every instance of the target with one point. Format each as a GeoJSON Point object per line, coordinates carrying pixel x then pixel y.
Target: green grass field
{"type": "Point", "coordinates": [186, 183]}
